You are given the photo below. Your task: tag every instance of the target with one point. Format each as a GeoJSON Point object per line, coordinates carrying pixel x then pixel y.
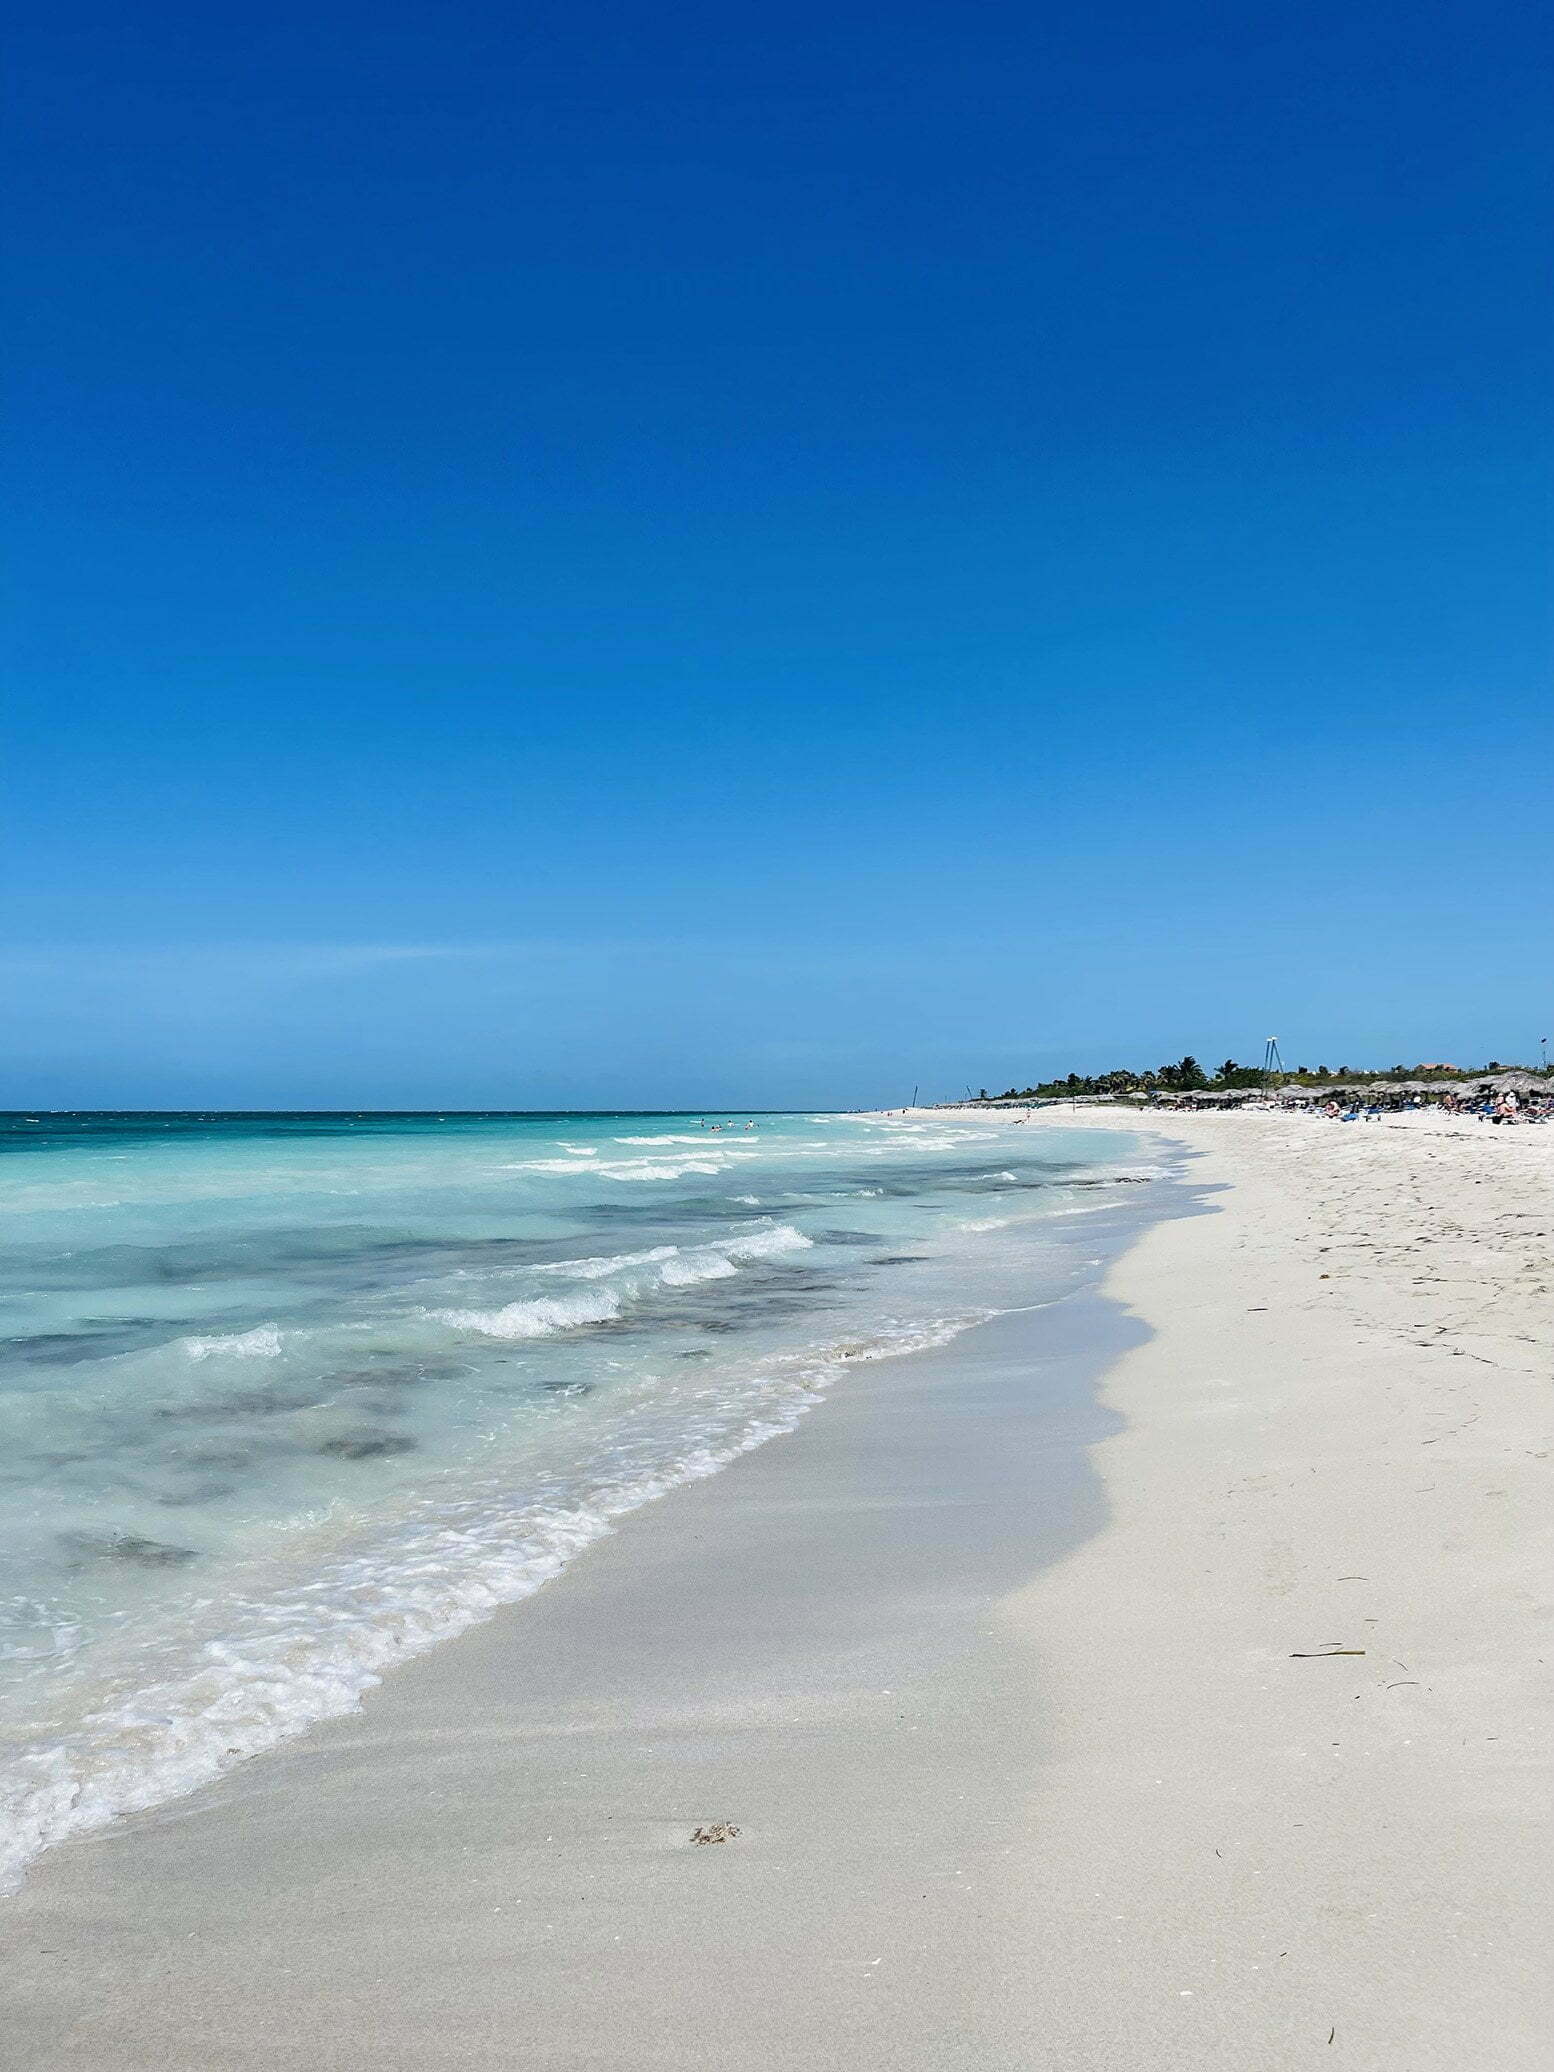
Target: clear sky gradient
{"type": "Point", "coordinates": [593, 554]}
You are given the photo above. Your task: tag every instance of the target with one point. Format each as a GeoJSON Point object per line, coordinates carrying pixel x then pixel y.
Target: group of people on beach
{"type": "Point", "coordinates": [1502, 1106]}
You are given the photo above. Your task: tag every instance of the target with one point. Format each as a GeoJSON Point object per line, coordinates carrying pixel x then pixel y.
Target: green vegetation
{"type": "Point", "coordinates": [1188, 1076]}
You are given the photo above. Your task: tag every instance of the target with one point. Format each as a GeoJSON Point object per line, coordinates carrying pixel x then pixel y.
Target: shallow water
{"type": "Point", "coordinates": [285, 1397]}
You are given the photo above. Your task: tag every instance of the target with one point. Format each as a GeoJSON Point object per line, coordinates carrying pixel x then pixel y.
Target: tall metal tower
{"type": "Point", "coordinates": [1272, 1062]}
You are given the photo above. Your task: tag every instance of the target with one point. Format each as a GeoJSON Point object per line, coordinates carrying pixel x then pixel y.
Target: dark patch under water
{"type": "Point", "coordinates": [231, 1458]}
{"type": "Point", "coordinates": [670, 1216]}
{"type": "Point", "coordinates": [128, 1547]}
{"type": "Point", "coordinates": [194, 1493]}
{"type": "Point", "coordinates": [93, 1338]}
{"type": "Point", "coordinates": [397, 1374]}
{"type": "Point", "coordinates": [366, 1445]}
{"type": "Point", "coordinates": [361, 1254]}
{"type": "Point", "coordinates": [749, 1312]}
{"type": "Point", "coordinates": [278, 1401]}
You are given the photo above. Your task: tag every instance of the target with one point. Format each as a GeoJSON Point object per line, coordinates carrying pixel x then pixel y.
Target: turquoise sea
{"type": "Point", "coordinates": [284, 1398]}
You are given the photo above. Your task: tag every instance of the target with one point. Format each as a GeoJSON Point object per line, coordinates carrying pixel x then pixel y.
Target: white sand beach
{"type": "Point", "coordinates": [1206, 1728]}
{"type": "Point", "coordinates": [1337, 1439]}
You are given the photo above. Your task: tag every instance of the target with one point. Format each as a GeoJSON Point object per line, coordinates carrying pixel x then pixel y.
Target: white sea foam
{"type": "Point", "coordinates": [596, 1269]}
{"type": "Point", "coordinates": [262, 1343]}
{"type": "Point", "coordinates": [662, 1169]}
{"type": "Point", "coordinates": [540, 1317]}
{"type": "Point", "coordinates": [548, 1165]}
{"type": "Point", "coordinates": [700, 1137]}
{"type": "Point", "coordinates": [768, 1243]}
{"type": "Point", "coordinates": [635, 1274]}
{"type": "Point", "coordinates": [711, 1162]}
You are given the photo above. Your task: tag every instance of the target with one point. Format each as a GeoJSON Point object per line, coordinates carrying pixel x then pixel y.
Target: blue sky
{"type": "Point", "coordinates": [603, 554]}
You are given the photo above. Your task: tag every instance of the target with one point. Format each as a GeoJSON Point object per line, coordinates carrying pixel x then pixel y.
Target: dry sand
{"type": "Point", "coordinates": [1336, 1439]}
{"type": "Point", "coordinates": [1026, 1775]}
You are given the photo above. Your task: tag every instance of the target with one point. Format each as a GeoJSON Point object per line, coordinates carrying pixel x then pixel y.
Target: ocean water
{"type": "Point", "coordinates": [284, 1399]}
